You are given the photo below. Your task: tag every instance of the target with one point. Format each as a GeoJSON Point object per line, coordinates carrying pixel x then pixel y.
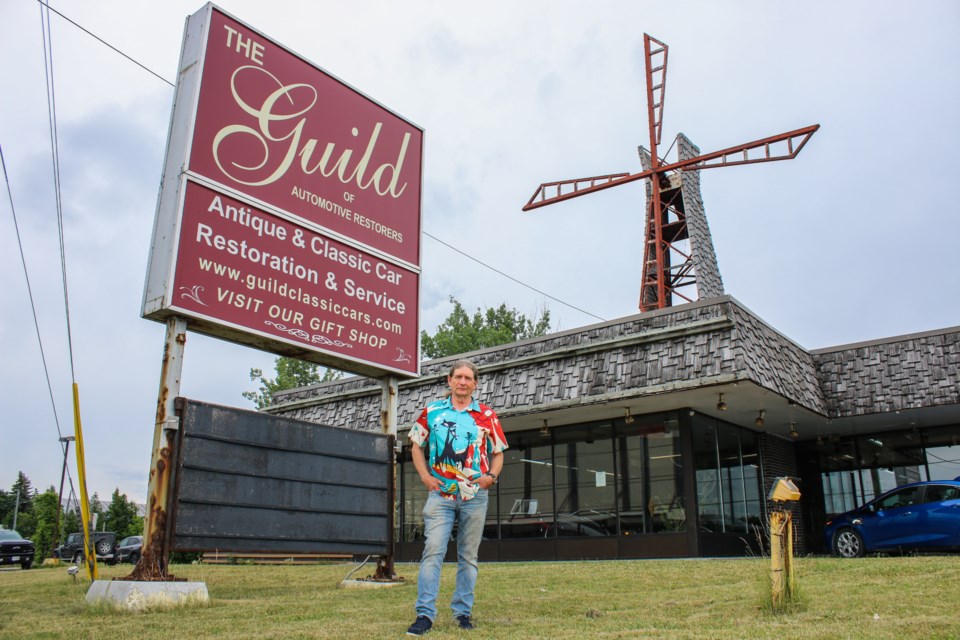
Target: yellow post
{"type": "Point", "coordinates": [89, 553]}
{"type": "Point", "coordinates": [790, 583]}
{"type": "Point", "coordinates": [777, 524]}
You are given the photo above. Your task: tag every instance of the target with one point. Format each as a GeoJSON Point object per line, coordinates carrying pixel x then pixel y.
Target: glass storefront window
{"type": "Point", "coordinates": [613, 478]}
{"type": "Point", "coordinates": [731, 478]}
{"type": "Point", "coordinates": [665, 493]}
{"type": "Point", "coordinates": [752, 493]}
{"type": "Point", "coordinates": [839, 478]}
{"type": "Point", "coordinates": [414, 498]}
{"type": "Point", "coordinates": [943, 452]}
{"type": "Point", "coordinates": [888, 461]}
{"type": "Point", "coordinates": [709, 504]}
{"type": "Point", "coordinates": [855, 470]}
{"type": "Point", "coordinates": [525, 489]}
{"type": "Point", "coordinates": [727, 460]}
{"type": "Point", "coordinates": [586, 479]}
{"type": "Point", "coordinates": [651, 488]}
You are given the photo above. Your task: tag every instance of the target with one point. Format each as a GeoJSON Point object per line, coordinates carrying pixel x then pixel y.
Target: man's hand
{"type": "Point", "coordinates": [430, 482]}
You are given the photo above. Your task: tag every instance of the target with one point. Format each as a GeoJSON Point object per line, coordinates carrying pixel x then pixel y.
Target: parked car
{"type": "Point", "coordinates": [921, 516]}
{"type": "Point", "coordinates": [14, 549]}
{"type": "Point", "coordinates": [104, 543]}
{"type": "Point", "coordinates": [129, 549]}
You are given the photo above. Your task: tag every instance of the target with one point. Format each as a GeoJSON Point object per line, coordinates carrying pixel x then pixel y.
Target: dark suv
{"type": "Point", "coordinates": [104, 543]}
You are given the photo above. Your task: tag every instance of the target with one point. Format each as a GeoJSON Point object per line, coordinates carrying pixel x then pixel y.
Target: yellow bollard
{"type": "Point", "coordinates": [776, 557]}
{"type": "Point", "coordinates": [781, 557]}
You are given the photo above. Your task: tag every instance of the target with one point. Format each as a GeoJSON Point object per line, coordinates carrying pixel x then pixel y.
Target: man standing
{"type": "Point", "coordinates": [465, 444]}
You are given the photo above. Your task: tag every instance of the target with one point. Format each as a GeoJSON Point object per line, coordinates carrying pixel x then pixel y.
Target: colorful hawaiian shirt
{"type": "Point", "coordinates": [459, 444]}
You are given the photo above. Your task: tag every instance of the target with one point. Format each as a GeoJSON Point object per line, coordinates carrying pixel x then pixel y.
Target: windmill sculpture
{"type": "Point", "coordinates": [678, 252]}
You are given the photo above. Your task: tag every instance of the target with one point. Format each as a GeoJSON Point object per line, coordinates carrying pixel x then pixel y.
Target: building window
{"type": "Point", "coordinates": [525, 489]}
{"type": "Point", "coordinates": [651, 487]}
{"type": "Point", "coordinates": [855, 470]}
{"type": "Point", "coordinates": [586, 480]}
{"type": "Point", "coordinates": [414, 497]}
{"type": "Point", "coordinates": [942, 447]}
{"type": "Point", "coordinates": [727, 463]}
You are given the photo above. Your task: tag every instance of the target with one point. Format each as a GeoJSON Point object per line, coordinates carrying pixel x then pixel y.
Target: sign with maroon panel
{"type": "Point", "coordinates": [289, 212]}
{"type": "Point", "coordinates": [258, 272]}
{"type": "Point", "coordinates": [276, 128]}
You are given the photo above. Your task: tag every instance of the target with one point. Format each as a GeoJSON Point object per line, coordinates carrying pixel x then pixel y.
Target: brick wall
{"type": "Point", "coordinates": [780, 459]}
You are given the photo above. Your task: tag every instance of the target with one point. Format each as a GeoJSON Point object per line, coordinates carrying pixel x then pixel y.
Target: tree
{"type": "Point", "coordinates": [44, 516]}
{"type": "Point", "coordinates": [96, 512]}
{"type": "Point", "coordinates": [121, 517]}
{"type": "Point", "coordinates": [24, 488]}
{"type": "Point", "coordinates": [461, 332]}
{"type": "Point", "coordinates": [7, 502]}
{"type": "Point", "coordinates": [70, 524]}
{"type": "Point", "coordinates": [291, 373]}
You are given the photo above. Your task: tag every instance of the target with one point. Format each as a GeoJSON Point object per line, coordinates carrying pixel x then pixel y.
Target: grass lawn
{"type": "Point", "coordinates": [876, 598]}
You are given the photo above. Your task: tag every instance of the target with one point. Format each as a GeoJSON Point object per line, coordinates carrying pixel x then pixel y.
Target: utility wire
{"type": "Point", "coordinates": [33, 306]}
{"type": "Point", "coordinates": [55, 153]}
{"type": "Point", "coordinates": [461, 252]}
{"type": "Point", "coordinates": [55, 158]}
{"type": "Point", "coordinates": [104, 42]}
{"type": "Point", "coordinates": [495, 270]}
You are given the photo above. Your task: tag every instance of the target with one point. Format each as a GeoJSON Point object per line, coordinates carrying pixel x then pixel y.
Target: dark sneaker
{"type": "Point", "coordinates": [464, 622]}
{"type": "Point", "coordinates": [420, 627]}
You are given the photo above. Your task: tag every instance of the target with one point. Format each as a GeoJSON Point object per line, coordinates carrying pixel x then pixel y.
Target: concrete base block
{"type": "Point", "coordinates": [142, 595]}
{"type": "Point", "coordinates": [370, 584]}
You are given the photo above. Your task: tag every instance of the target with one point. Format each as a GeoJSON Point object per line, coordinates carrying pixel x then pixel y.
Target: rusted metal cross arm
{"type": "Point", "coordinates": [656, 83]}
{"type": "Point", "coordinates": [795, 141]}
{"type": "Point", "coordinates": [580, 187]}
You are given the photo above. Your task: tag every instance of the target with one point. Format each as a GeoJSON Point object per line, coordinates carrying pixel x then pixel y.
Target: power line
{"type": "Point", "coordinates": [104, 42]}
{"type": "Point", "coordinates": [33, 307]}
{"type": "Point", "coordinates": [495, 270]}
{"type": "Point", "coordinates": [55, 158]}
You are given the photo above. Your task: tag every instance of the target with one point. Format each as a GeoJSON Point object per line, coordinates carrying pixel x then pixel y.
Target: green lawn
{"type": "Point", "coordinates": [876, 598]}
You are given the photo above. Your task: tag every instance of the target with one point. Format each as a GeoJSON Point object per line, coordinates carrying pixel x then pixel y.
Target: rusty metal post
{"type": "Point", "coordinates": [390, 402]}
{"type": "Point", "coordinates": [155, 555]}
{"type": "Point", "coordinates": [66, 440]}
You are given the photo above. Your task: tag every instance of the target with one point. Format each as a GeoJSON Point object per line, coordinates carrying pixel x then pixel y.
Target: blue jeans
{"type": "Point", "coordinates": [439, 515]}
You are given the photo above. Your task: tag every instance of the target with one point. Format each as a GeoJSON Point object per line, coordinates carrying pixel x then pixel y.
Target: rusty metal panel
{"type": "Point", "coordinates": [252, 482]}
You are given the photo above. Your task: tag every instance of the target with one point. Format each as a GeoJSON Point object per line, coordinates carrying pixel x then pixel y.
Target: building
{"type": "Point", "coordinates": [660, 434]}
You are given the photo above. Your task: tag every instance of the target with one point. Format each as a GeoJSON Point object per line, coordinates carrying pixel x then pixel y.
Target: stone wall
{"type": "Point", "coordinates": [709, 342]}
{"type": "Point", "coordinates": [907, 372]}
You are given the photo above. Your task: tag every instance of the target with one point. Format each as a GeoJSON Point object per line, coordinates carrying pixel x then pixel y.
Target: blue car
{"type": "Point", "coordinates": [924, 516]}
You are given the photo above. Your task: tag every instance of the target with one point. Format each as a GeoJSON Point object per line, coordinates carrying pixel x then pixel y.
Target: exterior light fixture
{"type": "Point", "coordinates": [544, 430]}
{"type": "Point", "coordinates": [626, 415]}
{"type": "Point", "coordinates": [793, 431]}
{"type": "Point", "coordinates": [759, 421]}
{"type": "Point", "coordinates": [721, 405]}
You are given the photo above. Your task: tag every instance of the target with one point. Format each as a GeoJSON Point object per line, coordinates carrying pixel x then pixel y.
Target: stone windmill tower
{"type": "Point", "coordinates": [679, 263]}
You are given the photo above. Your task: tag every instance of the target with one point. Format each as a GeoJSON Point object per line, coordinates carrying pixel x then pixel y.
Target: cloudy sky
{"type": "Point", "coordinates": [856, 239]}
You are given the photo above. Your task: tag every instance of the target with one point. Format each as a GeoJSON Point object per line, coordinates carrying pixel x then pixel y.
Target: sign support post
{"type": "Point", "coordinates": [156, 547]}
{"type": "Point", "coordinates": [389, 403]}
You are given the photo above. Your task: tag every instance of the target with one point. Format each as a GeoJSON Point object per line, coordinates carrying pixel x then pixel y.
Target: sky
{"type": "Point", "coordinates": [853, 240]}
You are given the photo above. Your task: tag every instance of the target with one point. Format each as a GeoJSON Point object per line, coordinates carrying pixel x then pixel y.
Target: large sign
{"type": "Point", "coordinates": [252, 482]}
{"type": "Point", "coordinates": [289, 214]}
